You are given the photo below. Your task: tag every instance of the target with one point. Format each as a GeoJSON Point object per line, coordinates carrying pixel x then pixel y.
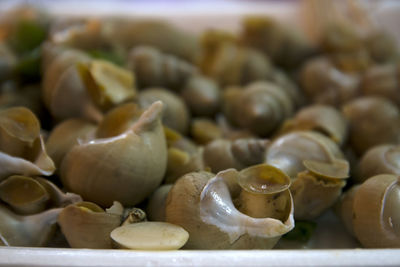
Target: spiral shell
{"type": "Point", "coordinates": [260, 107]}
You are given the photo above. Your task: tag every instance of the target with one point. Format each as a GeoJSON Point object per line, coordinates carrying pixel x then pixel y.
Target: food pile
{"type": "Point", "coordinates": [118, 133]}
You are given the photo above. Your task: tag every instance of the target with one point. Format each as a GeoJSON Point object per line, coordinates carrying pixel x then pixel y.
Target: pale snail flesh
{"type": "Point", "coordinates": [371, 211]}
{"type": "Point", "coordinates": [316, 166]}
{"type": "Point", "coordinates": [203, 204]}
{"type": "Point", "coordinates": [378, 160]}
{"type": "Point", "coordinates": [125, 168]}
{"type": "Point", "coordinates": [21, 144]}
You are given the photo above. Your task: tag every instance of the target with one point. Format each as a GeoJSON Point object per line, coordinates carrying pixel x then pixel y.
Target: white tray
{"type": "Point", "coordinates": [202, 15]}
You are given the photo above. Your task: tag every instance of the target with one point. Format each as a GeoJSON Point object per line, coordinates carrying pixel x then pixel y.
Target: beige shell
{"type": "Point", "coordinates": [25, 195]}
{"type": "Point", "coordinates": [286, 46]}
{"type": "Point", "coordinates": [22, 150]}
{"type": "Point", "coordinates": [373, 121]}
{"type": "Point", "coordinates": [317, 167]}
{"type": "Point", "coordinates": [27, 231]}
{"type": "Point", "coordinates": [382, 46]}
{"type": "Point", "coordinates": [175, 114]}
{"type": "Point", "coordinates": [222, 154]}
{"type": "Point", "coordinates": [260, 107]}
{"type": "Point", "coordinates": [64, 93]}
{"type": "Point", "coordinates": [86, 225]}
{"type": "Point", "coordinates": [230, 64]}
{"type": "Point", "coordinates": [376, 218]}
{"type": "Point", "coordinates": [325, 84]}
{"type": "Point", "coordinates": [155, 33]}
{"type": "Point", "coordinates": [155, 69]}
{"type": "Point", "coordinates": [204, 130]}
{"type": "Point", "coordinates": [321, 118]}
{"type": "Point", "coordinates": [155, 208]}
{"type": "Point", "coordinates": [202, 95]}
{"type": "Point", "coordinates": [203, 204]}
{"type": "Point", "coordinates": [65, 135]}
{"type": "Point", "coordinates": [383, 159]}
{"type": "Point", "coordinates": [383, 81]}
{"type": "Point", "coordinates": [125, 168]}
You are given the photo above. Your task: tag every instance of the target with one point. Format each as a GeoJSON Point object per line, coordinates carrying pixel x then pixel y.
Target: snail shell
{"type": "Point", "coordinates": [383, 81]}
{"type": "Point", "coordinates": [125, 168]}
{"type": "Point", "coordinates": [325, 84]}
{"type": "Point", "coordinates": [367, 117]}
{"type": "Point", "coordinates": [222, 154]}
{"type": "Point", "coordinates": [21, 144]}
{"type": "Point", "coordinates": [374, 212]}
{"type": "Point", "coordinates": [317, 168]}
{"type": "Point", "coordinates": [260, 107]}
{"type": "Point", "coordinates": [86, 225]}
{"type": "Point", "coordinates": [378, 160]}
{"type": "Point", "coordinates": [202, 203]}
{"type": "Point", "coordinates": [382, 46]}
{"type": "Point", "coordinates": [175, 114]}
{"type": "Point", "coordinates": [321, 118]}
{"type": "Point", "coordinates": [155, 69]}
{"type": "Point", "coordinates": [202, 95]}
{"type": "Point", "coordinates": [27, 230]}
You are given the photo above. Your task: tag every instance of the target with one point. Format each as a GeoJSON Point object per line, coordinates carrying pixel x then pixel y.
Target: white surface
{"type": "Point", "coordinates": [81, 257]}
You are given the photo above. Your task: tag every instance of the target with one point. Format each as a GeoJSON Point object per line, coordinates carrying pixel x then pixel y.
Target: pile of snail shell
{"type": "Point", "coordinates": [215, 141]}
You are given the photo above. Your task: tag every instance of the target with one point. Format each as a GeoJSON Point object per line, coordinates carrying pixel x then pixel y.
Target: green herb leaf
{"type": "Point", "coordinates": [302, 231]}
{"type": "Point", "coordinates": [28, 66]}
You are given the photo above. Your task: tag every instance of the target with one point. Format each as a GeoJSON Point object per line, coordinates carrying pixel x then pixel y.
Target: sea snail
{"type": "Point", "coordinates": [378, 160]}
{"type": "Point", "coordinates": [22, 150]}
{"type": "Point", "coordinates": [249, 209]}
{"type": "Point", "coordinates": [126, 166]}
{"type": "Point", "coordinates": [316, 166]}
{"type": "Point", "coordinates": [260, 107]}
{"type": "Point", "coordinates": [321, 118]}
{"type": "Point", "coordinates": [370, 211]}
{"type": "Point", "coordinates": [373, 121]}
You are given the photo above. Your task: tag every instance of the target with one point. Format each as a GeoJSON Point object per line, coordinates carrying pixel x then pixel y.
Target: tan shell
{"type": "Point", "coordinates": [202, 204]}
{"type": "Point", "coordinates": [155, 33]}
{"type": "Point", "coordinates": [383, 159]}
{"type": "Point", "coordinates": [204, 130]}
{"type": "Point", "coordinates": [344, 208]}
{"type": "Point", "coordinates": [124, 168]}
{"type": "Point", "coordinates": [230, 64]}
{"type": "Point", "coordinates": [382, 46]}
{"type": "Point", "coordinates": [25, 195]}
{"type": "Point", "coordinates": [383, 81]}
{"type": "Point", "coordinates": [155, 69]}
{"type": "Point", "coordinates": [65, 135]}
{"type": "Point", "coordinates": [86, 225]}
{"type": "Point", "coordinates": [27, 231]}
{"type": "Point", "coordinates": [155, 208]}
{"type": "Point", "coordinates": [260, 107]}
{"type": "Point", "coordinates": [321, 118]}
{"type": "Point", "coordinates": [325, 84]}
{"type": "Point", "coordinates": [222, 154]}
{"type": "Point", "coordinates": [202, 95]}
{"type": "Point", "coordinates": [64, 93]}
{"type": "Point", "coordinates": [175, 114]}
{"type": "Point", "coordinates": [376, 219]}
{"type": "Point", "coordinates": [22, 150]}
{"type": "Point", "coordinates": [367, 117]}
{"type": "Point", "coordinates": [286, 46]}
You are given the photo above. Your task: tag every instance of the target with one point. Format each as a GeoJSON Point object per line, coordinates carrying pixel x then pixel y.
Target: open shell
{"type": "Point", "coordinates": [86, 225]}
{"type": "Point", "coordinates": [125, 168]}
{"type": "Point", "coordinates": [22, 149]}
{"type": "Point", "coordinates": [203, 204]}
